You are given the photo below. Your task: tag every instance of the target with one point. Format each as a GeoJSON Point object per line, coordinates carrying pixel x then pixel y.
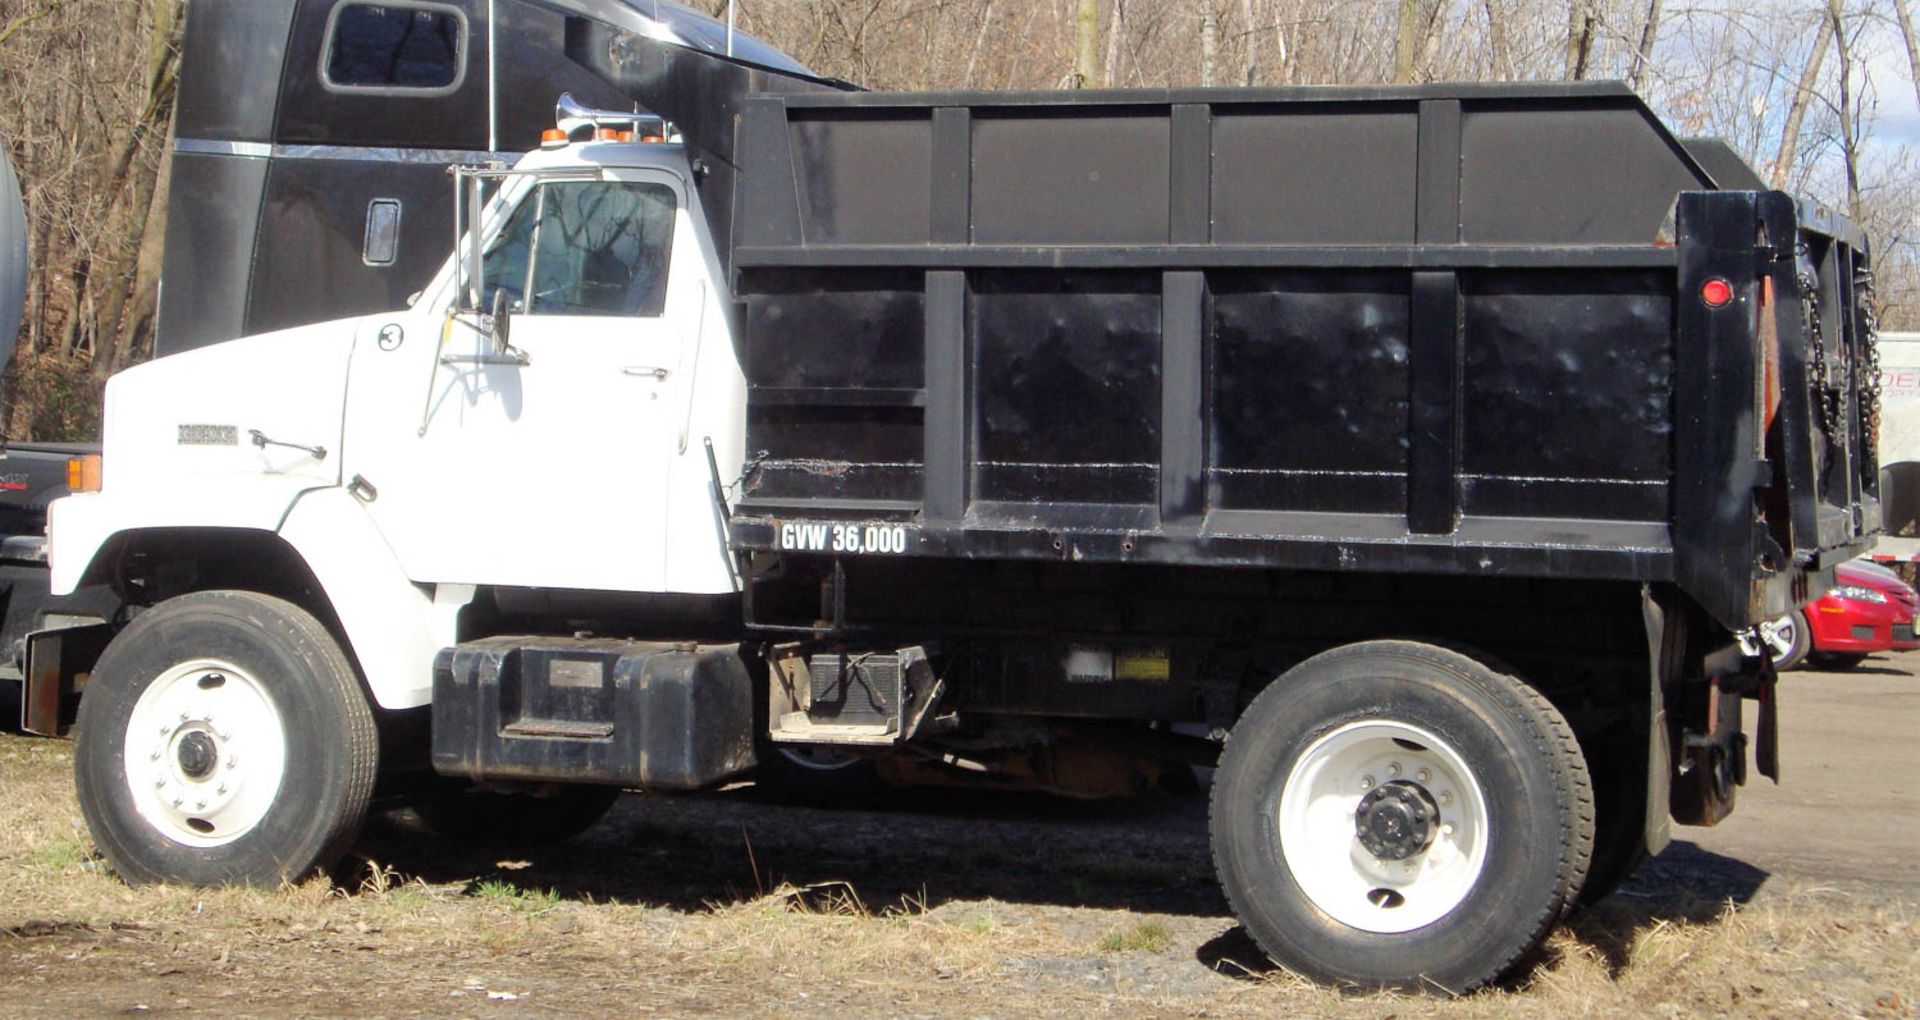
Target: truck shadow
{"type": "Point", "coordinates": [700, 852]}
{"type": "Point", "coordinates": [697, 852]}
{"type": "Point", "coordinates": [1684, 885]}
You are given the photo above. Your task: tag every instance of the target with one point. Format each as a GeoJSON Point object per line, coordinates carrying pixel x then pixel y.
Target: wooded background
{"type": "Point", "coordinates": [1819, 95]}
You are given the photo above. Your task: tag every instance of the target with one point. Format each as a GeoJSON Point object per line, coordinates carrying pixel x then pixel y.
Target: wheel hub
{"type": "Point", "coordinates": [197, 755]}
{"type": "Point", "coordinates": [205, 753]}
{"type": "Point", "coordinates": [1396, 820]}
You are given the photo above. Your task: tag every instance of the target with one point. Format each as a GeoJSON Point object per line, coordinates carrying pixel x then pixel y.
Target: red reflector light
{"type": "Point", "coordinates": [1717, 293]}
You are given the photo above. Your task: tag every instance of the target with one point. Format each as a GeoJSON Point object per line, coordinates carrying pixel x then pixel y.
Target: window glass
{"type": "Point", "coordinates": [395, 46]}
{"type": "Point", "coordinates": [596, 248]}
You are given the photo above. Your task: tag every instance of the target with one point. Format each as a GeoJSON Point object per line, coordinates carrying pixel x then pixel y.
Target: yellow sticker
{"type": "Point", "coordinates": [1147, 664]}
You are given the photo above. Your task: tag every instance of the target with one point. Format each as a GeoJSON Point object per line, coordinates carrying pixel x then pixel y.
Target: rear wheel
{"type": "Point", "coordinates": [1392, 814]}
{"type": "Point", "coordinates": [224, 739]}
{"type": "Point", "coordinates": [818, 775]}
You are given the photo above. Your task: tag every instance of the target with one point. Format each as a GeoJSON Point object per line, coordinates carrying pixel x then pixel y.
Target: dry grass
{"type": "Point", "coordinates": [73, 939]}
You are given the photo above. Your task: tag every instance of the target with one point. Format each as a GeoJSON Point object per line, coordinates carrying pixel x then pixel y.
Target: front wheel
{"type": "Point", "coordinates": [1788, 638]}
{"type": "Point", "coordinates": [224, 740]}
{"type": "Point", "coordinates": [1392, 814]}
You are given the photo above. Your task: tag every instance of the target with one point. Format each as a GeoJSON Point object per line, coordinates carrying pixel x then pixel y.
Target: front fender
{"type": "Point", "coordinates": [395, 627]}
{"type": "Point", "coordinates": [392, 626]}
{"type": "Point", "coordinates": [79, 526]}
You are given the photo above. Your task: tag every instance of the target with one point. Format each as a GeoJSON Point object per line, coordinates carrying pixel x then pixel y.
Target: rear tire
{"type": "Point", "coordinates": [456, 809]}
{"type": "Point", "coordinates": [1474, 797]}
{"type": "Point", "coordinates": [818, 776]}
{"type": "Point", "coordinates": [224, 740]}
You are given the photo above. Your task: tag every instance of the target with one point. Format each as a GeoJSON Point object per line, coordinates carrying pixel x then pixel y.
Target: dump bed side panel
{"type": "Point", "coordinates": [1413, 330]}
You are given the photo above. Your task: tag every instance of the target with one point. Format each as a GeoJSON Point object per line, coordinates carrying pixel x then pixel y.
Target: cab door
{"type": "Point", "coordinates": [545, 467]}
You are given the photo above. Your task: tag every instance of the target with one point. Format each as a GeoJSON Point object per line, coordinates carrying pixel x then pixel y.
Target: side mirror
{"type": "Point", "coordinates": [500, 325]}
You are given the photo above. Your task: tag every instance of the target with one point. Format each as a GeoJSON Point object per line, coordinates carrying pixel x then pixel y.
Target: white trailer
{"type": "Point", "coordinates": [1899, 452]}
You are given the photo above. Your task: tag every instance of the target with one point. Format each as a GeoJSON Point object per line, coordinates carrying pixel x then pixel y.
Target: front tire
{"type": "Point", "coordinates": [1789, 638]}
{"type": "Point", "coordinates": [224, 740]}
{"type": "Point", "coordinates": [1396, 815]}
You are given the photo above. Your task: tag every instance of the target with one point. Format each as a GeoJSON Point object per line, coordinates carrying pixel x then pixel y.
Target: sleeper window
{"type": "Point", "coordinates": [401, 46]}
{"type": "Point", "coordinates": [595, 248]}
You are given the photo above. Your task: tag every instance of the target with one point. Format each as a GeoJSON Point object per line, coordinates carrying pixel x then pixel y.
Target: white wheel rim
{"type": "Point", "coordinates": [1779, 635]}
{"type": "Point", "coordinates": [1322, 798]}
{"type": "Point", "coordinates": [205, 752]}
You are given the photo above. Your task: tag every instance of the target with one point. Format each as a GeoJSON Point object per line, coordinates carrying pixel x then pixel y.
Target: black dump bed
{"type": "Point", "coordinates": [1448, 329]}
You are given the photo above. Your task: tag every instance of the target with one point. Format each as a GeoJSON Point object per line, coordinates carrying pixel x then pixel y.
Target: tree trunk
{"type": "Point", "coordinates": [1497, 42]}
{"type": "Point", "coordinates": [1797, 112]}
{"type": "Point", "coordinates": [121, 261]}
{"type": "Point", "coordinates": [1580, 25]}
{"type": "Point", "coordinates": [1250, 28]}
{"type": "Point", "coordinates": [1086, 31]}
{"type": "Point", "coordinates": [1405, 41]}
{"type": "Point", "coordinates": [1116, 30]}
{"type": "Point", "coordinates": [1913, 45]}
{"type": "Point", "coordinates": [1849, 145]}
{"type": "Point", "coordinates": [1209, 41]}
{"type": "Point", "coordinates": [1643, 57]}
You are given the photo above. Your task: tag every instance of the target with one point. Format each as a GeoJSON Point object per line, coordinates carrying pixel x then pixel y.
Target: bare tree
{"type": "Point", "coordinates": [1849, 143]}
{"type": "Point", "coordinates": [1581, 18]}
{"type": "Point", "coordinates": [1405, 40]}
{"type": "Point", "coordinates": [1209, 41]}
{"type": "Point", "coordinates": [1913, 45]}
{"type": "Point", "coordinates": [1643, 54]}
{"type": "Point", "coordinates": [1087, 43]}
{"type": "Point", "coordinates": [1797, 108]}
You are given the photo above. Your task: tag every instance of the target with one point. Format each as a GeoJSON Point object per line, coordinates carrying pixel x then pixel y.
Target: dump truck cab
{"type": "Point", "coordinates": [552, 421]}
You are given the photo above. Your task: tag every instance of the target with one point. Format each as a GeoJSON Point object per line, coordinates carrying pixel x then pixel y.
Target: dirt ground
{"type": "Point", "coordinates": [1806, 902]}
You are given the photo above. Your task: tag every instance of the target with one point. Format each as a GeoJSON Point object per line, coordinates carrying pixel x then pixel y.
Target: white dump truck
{"type": "Point", "coordinates": [1435, 444]}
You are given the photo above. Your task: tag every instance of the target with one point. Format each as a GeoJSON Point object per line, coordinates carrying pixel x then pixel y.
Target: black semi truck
{"type": "Point", "coordinates": [1442, 446]}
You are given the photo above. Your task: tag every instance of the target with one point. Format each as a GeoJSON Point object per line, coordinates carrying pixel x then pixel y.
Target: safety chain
{"type": "Point", "coordinates": [1826, 395]}
{"type": "Point", "coordinates": [1870, 388]}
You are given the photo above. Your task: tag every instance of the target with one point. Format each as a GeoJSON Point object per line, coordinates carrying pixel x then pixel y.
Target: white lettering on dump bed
{"type": "Point", "coordinates": [799, 536]}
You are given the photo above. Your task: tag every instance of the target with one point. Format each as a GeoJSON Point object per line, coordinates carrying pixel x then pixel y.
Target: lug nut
{"type": "Point", "coordinates": [1446, 829]}
{"type": "Point", "coordinates": [1366, 782]}
{"type": "Point", "coordinates": [1423, 775]}
{"type": "Point", "coordinates": [1445, 798]}
{"type": "Point", "coordinates": [1393, 769]}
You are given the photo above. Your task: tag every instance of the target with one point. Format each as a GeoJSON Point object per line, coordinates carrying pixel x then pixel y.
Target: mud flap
{"type": "Point", "coordinates": [1766, 739]}
{"type": "Point", "coordinates": [58, 663]}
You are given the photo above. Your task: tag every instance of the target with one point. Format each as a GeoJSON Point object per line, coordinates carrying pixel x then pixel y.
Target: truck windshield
{"type": "Point", "coordinates": [585, 248]}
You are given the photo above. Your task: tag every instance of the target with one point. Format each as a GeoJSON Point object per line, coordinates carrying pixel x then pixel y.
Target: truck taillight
{"type": "Point", "coordinates": [1717, 293]}
{"type": "Point", "coordinates": [83, 473]}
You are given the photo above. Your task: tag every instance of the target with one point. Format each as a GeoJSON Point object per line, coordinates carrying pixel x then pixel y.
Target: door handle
{"type": "Point", "coordinates": [646, 370]}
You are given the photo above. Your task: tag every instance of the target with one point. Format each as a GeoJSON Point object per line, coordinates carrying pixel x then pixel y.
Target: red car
{"type": "Point", "coordinates": [1869, 609]}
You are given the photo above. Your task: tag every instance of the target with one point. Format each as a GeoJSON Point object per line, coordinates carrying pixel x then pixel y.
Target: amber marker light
{"type": "Point", "coordinates": [83, 473]}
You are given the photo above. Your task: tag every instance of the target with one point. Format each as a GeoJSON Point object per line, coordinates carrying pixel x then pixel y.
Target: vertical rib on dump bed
{"type": "Point", "coordinates": [1427, 329]}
